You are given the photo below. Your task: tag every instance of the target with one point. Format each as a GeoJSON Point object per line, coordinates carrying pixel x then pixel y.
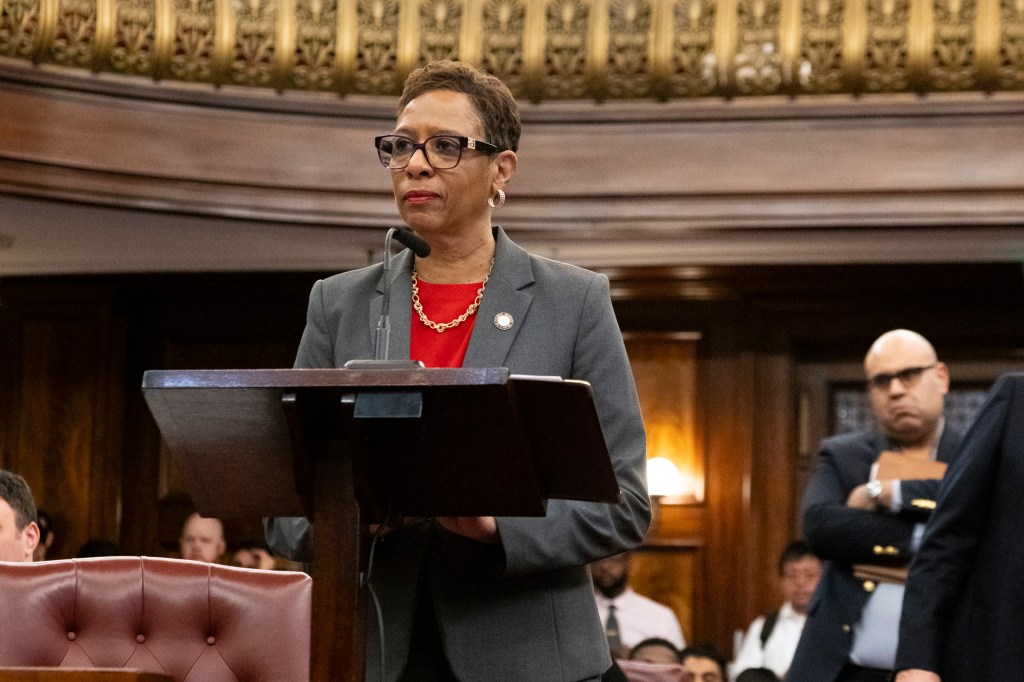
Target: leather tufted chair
{"type": "Point", "coordinates": [193, 621]}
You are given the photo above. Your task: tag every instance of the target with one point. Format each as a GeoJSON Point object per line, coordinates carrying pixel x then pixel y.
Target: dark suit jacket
{"type": "Point", "coordinates": [842, 536]}
{"type": "Point", "coordinates": [963, 610]}
{"type": "Point", "coordinates": [526, 610]}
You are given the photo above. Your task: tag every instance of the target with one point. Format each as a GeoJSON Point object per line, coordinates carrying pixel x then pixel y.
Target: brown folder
{"type": "Point", "coordinates": [893, 465]}
{"type": "Point", "coordinates": [882, 573]}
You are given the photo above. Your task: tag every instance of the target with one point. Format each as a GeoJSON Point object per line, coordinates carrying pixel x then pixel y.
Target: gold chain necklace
{"type": "Point", "coordinates": [444, 326]}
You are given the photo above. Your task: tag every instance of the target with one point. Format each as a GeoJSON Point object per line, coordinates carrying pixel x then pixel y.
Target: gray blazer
{"type": "Point", "coordinates": [523, 610]}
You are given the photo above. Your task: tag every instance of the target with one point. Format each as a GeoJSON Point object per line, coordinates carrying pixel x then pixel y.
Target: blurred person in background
{"type": "Point", "coordinates": [629, 617]}
{"type": "Point", "coordinates": [772, 638]}
{"type": "Point", "coordinates": [704, 663]}
{"type": "Point", "coordinates": [46, 535]}
{"type": "Point", "coordinates": [202, 539]}
{"type": "Point", "coordinates": [253, 554]}
{"type": "Point", "coordinates": [19, 533]}
{"type": "Point", "coordinates": [852, 515]}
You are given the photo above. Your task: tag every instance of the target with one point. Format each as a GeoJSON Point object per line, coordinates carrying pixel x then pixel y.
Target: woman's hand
{"type": "Point", "coordinates": [479, 528]}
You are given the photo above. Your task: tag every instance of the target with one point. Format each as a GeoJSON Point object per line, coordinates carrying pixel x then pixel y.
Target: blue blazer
{"type": "Point", "coordinates": [524, 611]}
{"type": "Point", "coordinates": [963, 609]}
{"type": "Point", "coordinates": [842, 536]}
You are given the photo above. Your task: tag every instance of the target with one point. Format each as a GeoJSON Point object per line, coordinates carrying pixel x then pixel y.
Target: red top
{"type": "Point", "coordinates": [442, 303]}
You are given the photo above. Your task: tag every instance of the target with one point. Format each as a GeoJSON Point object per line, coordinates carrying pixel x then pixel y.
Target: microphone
{"type": "Point", "coordinates": [413, 241]}
{"type": "Point", "coordinates": [422, 249]}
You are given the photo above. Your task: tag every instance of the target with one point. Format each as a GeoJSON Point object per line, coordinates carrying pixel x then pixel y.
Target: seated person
{"type": "Point", "coordinates": [253, 554]}
{"type": "Point", "coordinates": [629, 617]}
{"type": "Point", "coordinates": [19, 533]}
{"type": "Point", "coordinates": [655, 650]}
{"type": "Point", "coordinates": [202, 539]}
{"type": "Point", "coordinates": [771, 639]}
{"type": "Point", "coordinates": [704, 663]}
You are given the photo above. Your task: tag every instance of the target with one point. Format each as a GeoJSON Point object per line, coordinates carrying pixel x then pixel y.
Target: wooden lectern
{"type": "Point", "coordinates": [349, 447]}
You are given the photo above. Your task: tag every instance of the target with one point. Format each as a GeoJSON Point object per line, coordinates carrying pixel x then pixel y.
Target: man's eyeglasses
{"type": "Point", "coordinates": [441, 151]}
{"type": "Point", "coordinates": [908, 377]}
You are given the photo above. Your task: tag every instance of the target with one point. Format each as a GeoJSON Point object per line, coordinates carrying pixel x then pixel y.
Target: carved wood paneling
{"type": "Point", "coordinates": [788, 182]}
{"type": "Point", "coordinates": [671, 576]}
{"type": "Point", "coordinates": [545, 49]}
{"type": "Point", "coordinates": [667, 567]}
{"type": "Point", "coordinates": [772, 479]}
{"type": "Point", "coordinates": [665, 371]}
{"type": "Point", "coordinates": [729, 407]}
{"type": "Point", "coordinates": [66, 429]}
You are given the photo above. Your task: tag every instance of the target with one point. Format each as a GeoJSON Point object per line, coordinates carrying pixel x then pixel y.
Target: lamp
{"type": "Point", "coordinates": [664, 479]}
{"type": "Point", "coordinates": [665, 483]}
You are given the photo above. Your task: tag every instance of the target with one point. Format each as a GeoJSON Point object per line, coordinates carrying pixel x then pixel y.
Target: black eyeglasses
{"type": "Point", "coordinates": [441, 151]}
{"type": "Point", "coordinates": [908, 377]}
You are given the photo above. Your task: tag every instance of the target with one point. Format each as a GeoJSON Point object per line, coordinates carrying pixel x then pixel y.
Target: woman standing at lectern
{"type": "Point", "coordinates": [483, 598]}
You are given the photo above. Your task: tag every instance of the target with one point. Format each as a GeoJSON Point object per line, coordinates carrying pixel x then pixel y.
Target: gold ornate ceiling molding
{"type": "Point", "coordinates": [544, 49]}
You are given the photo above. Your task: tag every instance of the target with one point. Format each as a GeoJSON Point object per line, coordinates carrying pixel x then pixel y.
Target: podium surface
{"type": "Point", "coordinates": [347, 447]}
{"type": "Point", "coordinates": [514, 441]}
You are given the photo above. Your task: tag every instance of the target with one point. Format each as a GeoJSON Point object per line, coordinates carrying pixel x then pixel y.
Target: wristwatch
{"type": "Point", "coordinates": [874, 490]}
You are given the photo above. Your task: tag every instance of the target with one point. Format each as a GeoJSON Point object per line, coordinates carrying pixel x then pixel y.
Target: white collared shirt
{"type": "Point", "coordinates": [777, 654]}
{"type": "Point", "coordinates": [641, 618]}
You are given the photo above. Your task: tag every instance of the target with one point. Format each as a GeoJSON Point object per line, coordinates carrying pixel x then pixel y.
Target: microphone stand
{"type": "Point", "coordinates": [382, 337]}
{"type": "Point", "coordinates": [382, 334]}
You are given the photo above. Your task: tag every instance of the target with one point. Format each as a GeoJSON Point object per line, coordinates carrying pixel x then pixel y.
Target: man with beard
{"type": "Point", "coordinates": [852, 516]}
{"type": "Point", "coordinates": [629, 617]}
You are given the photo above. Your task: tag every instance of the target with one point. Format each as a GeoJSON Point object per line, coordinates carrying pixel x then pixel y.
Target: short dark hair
{"type": "Point", "coordinates": [795, 551]}
{"type": "Point", "coordinates": [704, 651]}
{"type": "Point", "coordinates": [493, 101]}
{"type": "Point", "coordinates": [15, 491]}
{"type": "Point", "coordinates": [757, 675]}
{"type": "Point", "coordinates": [655, 641]}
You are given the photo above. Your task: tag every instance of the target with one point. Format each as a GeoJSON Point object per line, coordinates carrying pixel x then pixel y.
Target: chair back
{"type": "Point", "coordinates": [190, 620]}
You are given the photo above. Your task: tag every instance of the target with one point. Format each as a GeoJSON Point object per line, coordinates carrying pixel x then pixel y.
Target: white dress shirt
{"type": "Point", "coordinates": [777, 654]}
{"type": "Point", "coordinates": [641, 618]}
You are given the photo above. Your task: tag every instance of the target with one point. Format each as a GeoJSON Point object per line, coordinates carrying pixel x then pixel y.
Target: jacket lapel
{"type": "Point", "coordinates": [505, 294]}
{"type": "Point", "coordinates": [488, 346]}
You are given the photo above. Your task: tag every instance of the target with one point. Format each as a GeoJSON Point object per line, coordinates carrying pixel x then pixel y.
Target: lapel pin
{"type": "Point", "coordinates": [503, 321]}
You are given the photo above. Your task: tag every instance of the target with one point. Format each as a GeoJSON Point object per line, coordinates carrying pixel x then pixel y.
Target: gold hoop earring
{"type": "Point", "coordinates": [500, 202]}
